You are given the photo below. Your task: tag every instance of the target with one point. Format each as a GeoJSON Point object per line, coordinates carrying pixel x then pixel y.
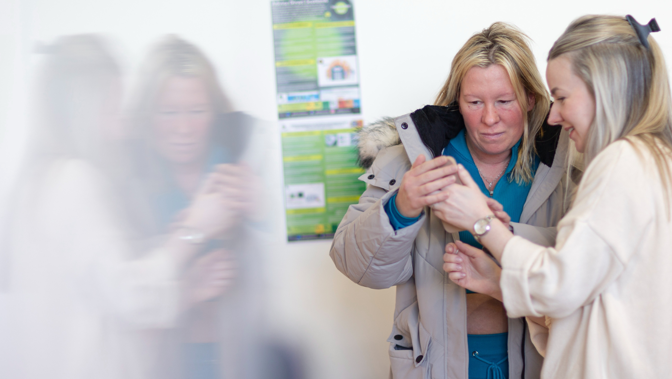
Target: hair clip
{"type": "Point", "coordinates": [643, 30]}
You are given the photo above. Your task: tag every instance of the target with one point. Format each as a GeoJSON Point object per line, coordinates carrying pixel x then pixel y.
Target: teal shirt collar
{"type": "Point", "coordinates": [507, 192]}
{"type": "Point", "coordinates": [459, 143]}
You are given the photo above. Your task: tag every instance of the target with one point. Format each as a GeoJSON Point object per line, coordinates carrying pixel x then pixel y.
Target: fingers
{"type": "Point", "coordinates": [451, 260]}
{"type": "Point", "coordinates": [436, 173]}
{"type": "Point", "coordinates": [435, 198]}
{"type": "Point", "coordinates": [456, 276]}
{"type": "Point", "coordinates": [437, 185]}
{"type": "Point", "coordinates": [498, 210]}
{"type": "Point", "coordinates": [451, 248]}
{"type": "Point", "coordinates": [503, 217]}
{"type": "Point", "coordinates": [468, 250]}
{"type": "Point", "coordinates": [419, 160]}
{"type": "Point", "coordinates": [466, 178]}
{"type": "Point", "coordinates": [452, 267]}
{"type": "Point", "coordinates": [494, 205]}
{"type": "Point", "coordinates": [429, 165]}
{"type": "Point", "coordinates": [452, 264]}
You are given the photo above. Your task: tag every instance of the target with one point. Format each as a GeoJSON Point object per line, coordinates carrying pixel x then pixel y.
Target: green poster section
{"type": "Point", "coordinates": [315, 58]}
{"type": "Point", "coordinates": [319, 112]}
{"type": "Point", "coordinates": [315, 158]}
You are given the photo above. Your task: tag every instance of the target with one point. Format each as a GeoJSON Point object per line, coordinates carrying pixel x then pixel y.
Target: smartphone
{"type": "Point", "coordinates": [451, 161]}
{"type": "Point", "coordinates": [448, 227]}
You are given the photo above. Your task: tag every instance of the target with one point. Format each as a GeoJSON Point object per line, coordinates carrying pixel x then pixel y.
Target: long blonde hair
{"type": "Point", "coordinates": [507, 46]}
{"type": "Point", "coordinates": [629, 83]}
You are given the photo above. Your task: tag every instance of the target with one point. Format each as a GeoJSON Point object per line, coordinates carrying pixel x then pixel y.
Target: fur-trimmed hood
{"type": "Point", "coordinates": [436, 126]}
{"type": "Point", "coordinates": [375, 137]}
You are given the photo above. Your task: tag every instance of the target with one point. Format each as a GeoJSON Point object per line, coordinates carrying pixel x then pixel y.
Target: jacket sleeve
{"type": "Point", "coordinates": [366, 248]}
{"type": "Point", "coordinates": [596, 240]}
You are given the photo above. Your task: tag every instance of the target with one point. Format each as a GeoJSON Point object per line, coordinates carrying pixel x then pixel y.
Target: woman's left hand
{"type": "Point", "coordinates": [465, 204]}
{"type": "Point", "coordinates": [498, 210]}
{"type": "Point", "coordinates": [472, 269]}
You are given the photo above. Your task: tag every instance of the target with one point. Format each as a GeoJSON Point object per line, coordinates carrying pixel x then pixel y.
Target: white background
{"type": "Point", "coordinates": [405, 49]}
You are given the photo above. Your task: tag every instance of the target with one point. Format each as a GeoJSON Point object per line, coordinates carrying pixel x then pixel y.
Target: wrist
{"type": "Point", "coordinates": [482, 226]}
{"type": "Point", "coordinates": [496, 239]}
{"type": "Point", "coordinates": [496, 291]}
{"type": "Point", "coordinates": [403, 210]}
{"type": "Point", "coordinates": [192, 235]}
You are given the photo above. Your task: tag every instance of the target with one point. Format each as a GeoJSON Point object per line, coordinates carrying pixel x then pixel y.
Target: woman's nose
{"type": "Point", "coordinates": [183, 124]}
{"type": "Point", "coordinates": [490, 116]}
{"type": "Point", "coordinates": [554, 116]}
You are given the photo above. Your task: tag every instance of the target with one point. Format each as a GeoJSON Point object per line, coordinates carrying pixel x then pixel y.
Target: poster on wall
{"type": "Point", "coordinates": [318, 101]}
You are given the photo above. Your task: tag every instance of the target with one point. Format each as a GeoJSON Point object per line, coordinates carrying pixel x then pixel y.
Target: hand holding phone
{"type": "Point", "coordinates": [446, 226]}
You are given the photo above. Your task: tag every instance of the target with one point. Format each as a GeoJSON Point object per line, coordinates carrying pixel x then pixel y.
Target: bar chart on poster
{"type": "Point", "coordinates": [319, 109]}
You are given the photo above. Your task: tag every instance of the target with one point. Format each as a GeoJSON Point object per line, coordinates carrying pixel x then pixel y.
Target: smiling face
{"type": "Point", "coordinates": [491, 112]}
{"type": "Point", "coordinates": [574, 106]}
{"type": "Point", "coordinates": [182, 120]}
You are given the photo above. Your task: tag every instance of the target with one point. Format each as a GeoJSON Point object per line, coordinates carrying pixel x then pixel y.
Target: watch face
{"type": "Point", "coordinates": [481, 226]}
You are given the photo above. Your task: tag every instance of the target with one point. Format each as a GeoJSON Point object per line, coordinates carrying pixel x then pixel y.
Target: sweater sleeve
{"type": "Point", "coordinates": [595, 242]}
{"type": "Point", "coordinates": [143, 292]}
{"type": "Point", "coordinates": [397, 220]}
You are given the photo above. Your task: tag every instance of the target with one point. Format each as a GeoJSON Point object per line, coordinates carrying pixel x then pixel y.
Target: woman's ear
{"type": "Point", "coordinates": [530, 102]}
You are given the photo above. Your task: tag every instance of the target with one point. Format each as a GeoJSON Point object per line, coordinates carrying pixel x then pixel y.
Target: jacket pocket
{"type": "Point", "coordinates": [409, 346]}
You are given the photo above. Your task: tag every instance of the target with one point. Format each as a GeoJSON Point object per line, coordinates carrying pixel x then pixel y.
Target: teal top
{"type": "Point", "coordinates": [507, 192]}
{"type": "Point", "coordinates": [397, 220]}
{"type": "Point", "coordinates": [171, 200]}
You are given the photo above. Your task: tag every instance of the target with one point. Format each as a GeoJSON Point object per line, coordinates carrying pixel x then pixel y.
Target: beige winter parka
{"type": "Point", "coordinates": [429, 334]}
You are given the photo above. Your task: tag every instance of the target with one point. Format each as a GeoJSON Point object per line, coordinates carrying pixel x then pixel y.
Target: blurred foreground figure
{"type": "Point", "coordinates": [81, 296]}
{"type": "Point", "coordinates": [184, 132]}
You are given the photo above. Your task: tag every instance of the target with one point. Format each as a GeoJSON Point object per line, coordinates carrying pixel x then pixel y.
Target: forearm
{"type": "Point", "coordinates": [496, 239]}
{"type": "Point", "coordinates": [181, 249]}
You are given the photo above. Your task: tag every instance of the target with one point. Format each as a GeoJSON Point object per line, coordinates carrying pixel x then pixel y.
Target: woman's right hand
{"type": "Point", "coordinates": [210, 276]}
{"type": "Point", "coordinates": [226, 196]}
{"type": "Point", "coordinates": [421, 185]}
{"type": "Point", "coordinates": [212, 210]}
{"type": "Point", "coordinates": [473, 269]}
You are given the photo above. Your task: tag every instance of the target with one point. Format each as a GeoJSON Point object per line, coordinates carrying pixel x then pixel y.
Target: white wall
{"type": "Point", "coordinates": [405, 49]}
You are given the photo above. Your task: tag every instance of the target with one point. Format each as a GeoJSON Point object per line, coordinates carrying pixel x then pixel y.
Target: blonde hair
{"type": "Point", "coordinates": [507, 46]}
{"type": "Point", "coordinates": [74, 84]}
{"type": "Point", "coordinates": [173, 57]}
{"type": "Point", "coordinates": [628, 82]}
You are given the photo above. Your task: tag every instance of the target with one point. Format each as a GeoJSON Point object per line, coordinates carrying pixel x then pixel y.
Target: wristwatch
{"type": "Point", "coordinates": [191, 235]}
{"type": "Point", "coordinates": [482, 227]}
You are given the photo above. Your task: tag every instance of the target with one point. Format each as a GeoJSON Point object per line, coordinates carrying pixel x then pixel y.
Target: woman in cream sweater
{"type": "Point", "coordinates": [601, 287]}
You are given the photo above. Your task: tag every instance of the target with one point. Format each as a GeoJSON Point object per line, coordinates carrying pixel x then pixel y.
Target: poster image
{"type": "Point", "coordinates": [337, 71]}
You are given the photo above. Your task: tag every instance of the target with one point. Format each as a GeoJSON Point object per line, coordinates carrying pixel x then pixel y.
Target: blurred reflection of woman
{"type": "Point", "coordinates": [79, 294]}
{"type": "Point", "coordinates": [184, 132]}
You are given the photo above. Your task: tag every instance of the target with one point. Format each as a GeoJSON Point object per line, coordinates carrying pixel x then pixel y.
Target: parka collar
{"type": "Point", "coordinates": [437, 125]}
